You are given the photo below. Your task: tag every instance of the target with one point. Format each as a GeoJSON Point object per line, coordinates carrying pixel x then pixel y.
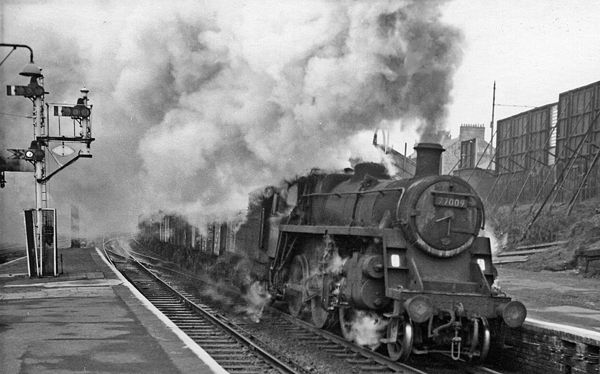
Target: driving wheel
{"type": "Point", "coordinates": [399, 339]}
{"type": "Point", "coordinates": [295, 287]}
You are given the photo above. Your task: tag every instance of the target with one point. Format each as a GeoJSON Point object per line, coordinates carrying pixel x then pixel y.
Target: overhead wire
{"type": "Point", "coordinates": [15, 115]}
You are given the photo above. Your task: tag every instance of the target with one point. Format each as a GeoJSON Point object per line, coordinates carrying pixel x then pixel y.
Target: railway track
{"type": "Point", "coordinates": [364, 360]}
{"type": "Point", "coordinates": [235, 352]}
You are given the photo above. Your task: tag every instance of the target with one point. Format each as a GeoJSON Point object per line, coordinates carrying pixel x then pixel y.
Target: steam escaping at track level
{"type": "Point", "coordinates": [365, 328]}
{"type": "Point", "coordinates": [256, 297]}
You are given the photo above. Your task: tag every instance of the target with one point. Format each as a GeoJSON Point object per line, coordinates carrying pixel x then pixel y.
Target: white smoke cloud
{"type": "Point", "coordinates": [199, 103]}
{"type": "Point", "coordinates": [367, 329]}
{"type": "Point", "coordinates": [284, 87]}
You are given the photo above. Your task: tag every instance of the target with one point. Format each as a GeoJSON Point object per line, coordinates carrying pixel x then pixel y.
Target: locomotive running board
{"type": "Point", "coordinates": [333, 230]}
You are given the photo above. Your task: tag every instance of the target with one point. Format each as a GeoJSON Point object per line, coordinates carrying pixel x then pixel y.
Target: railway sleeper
{"type": "Point", "coordinates": [171, 307]}
{"type": "Point", "coordinates": [230, 356]}
{"type": "Point", "coordinates": [162, 302]}
{"type": "Point", "coordinates": [359, 361]}
{"type": "Point", "coordinates": [185, 313]}
{"type": "Point", "coordinates": [336, 350]}
{"type": "Point", "coordinates": [226, 351]}
{"type": "Point", "coordinates": [183, 317]}
{"type": "Point", "coordinates": [249, 371]}
{"type": "Point", "coordinates": [224, 342]}
{"type": "Point", "coordinates": [199, 324]}
{"type": "Point", "coordinates": [312, 341]}
{"type": "Point", "coordinates": [205, 331]}
{"type": "Point", "coordinates": [344, 355]}
{"type": "Point", "coordinates": [219, 348]}
{"type": "Point", "coordinates": [293, 329]}
{"type": "Point", "coordinates": [242, 359]}
{"type": "Point", "coordinates": [327, 346]}
{"type": "Point", "coordinates": [243, 367]}
{"type": "Point", "coordinates": [374, 368]}
{"type": "Point", "coordinates": [208, 330]}
{"type": "Point", "coordinates": [172, 304]}
{"type": "Point", "coordinates": [214, 336]}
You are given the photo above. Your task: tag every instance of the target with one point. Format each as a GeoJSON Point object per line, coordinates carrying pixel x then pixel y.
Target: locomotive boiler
{"type": "Point", "coordinates": [408, 252]}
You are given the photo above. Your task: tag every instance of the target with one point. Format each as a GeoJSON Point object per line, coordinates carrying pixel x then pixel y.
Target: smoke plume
{"type": "Point", "coordinates": [198, 103]}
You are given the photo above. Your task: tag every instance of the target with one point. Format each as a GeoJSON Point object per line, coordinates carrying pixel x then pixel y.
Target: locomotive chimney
{"type": "Point", "coordinates": [429, 156]}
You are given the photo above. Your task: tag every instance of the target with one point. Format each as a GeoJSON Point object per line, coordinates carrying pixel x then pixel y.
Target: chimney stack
{"type": "Point", "coordinates": [429, 157]}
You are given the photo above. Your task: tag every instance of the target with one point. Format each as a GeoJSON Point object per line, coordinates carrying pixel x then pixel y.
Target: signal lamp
{"type": "Point", "coordinates": [35, 152]}
{"type": "Point", "coordinates": [395, 261]}
{"type": "Point", "coordinates": [481, 263]}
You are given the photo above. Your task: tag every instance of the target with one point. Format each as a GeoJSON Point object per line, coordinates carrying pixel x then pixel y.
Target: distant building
{"type": "Point", "coordinates": [468, 151]}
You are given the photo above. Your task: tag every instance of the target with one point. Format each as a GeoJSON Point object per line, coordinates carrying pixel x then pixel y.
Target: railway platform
{"type": "Point", "coordinates": [561, 300]}
{"type": "Point", "coordinates": [87, 320]}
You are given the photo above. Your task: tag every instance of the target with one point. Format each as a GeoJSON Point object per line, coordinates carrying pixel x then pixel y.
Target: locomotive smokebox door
{"type": "Point", "coordinates": [445, 216]}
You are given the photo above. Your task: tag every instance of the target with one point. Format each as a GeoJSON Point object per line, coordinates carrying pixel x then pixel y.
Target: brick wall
{"type": "Point", "coordinates": [535, 349]}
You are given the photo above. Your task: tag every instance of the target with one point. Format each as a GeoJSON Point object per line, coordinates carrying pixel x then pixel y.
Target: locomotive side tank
{"type": "Point", "coordinates": [408, 252]}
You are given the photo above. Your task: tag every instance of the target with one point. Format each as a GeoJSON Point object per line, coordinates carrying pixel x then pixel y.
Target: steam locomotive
{"type": "Point", "coordinates": [407, 252]}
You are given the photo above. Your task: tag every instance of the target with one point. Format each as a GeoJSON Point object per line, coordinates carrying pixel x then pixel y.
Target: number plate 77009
{"type": "Point", "coordinates": [450, 201]}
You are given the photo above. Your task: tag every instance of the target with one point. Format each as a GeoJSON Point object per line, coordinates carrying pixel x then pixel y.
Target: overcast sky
{"type": "Point", "coordinates": [532, 49]}
{"type": "Point", "coordinates": [198, 102]}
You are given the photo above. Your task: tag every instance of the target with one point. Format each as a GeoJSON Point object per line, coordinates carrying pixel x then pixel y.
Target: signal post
{"type": "Point", "coordinates": [41, 231]}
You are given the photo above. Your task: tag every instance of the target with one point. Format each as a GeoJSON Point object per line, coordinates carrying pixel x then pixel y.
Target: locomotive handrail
{"type": "Point", "coordinates": [339, 194]}
{"type": "Point", "coordinates": [453, 193]}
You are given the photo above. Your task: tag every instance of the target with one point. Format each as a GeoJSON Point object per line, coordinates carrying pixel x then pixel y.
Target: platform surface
{"type": "Point", "coordinates": [565, 299]}
{"type": "Point", "coordinates": [85, 320]}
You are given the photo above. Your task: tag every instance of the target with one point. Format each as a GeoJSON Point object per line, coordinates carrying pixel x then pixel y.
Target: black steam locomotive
{"type": "Point", "coordinates": [407, 252]}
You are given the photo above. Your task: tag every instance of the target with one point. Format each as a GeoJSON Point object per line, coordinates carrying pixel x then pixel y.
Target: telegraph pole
{"type": "Point", "coordinates": [493, 109]}
{"type": "Point", "coordinates": [492, 124]}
